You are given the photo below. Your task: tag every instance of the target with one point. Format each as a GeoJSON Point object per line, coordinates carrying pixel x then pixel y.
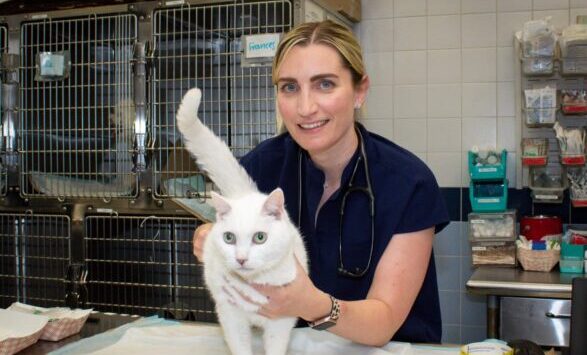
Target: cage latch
{"type": "Point", "coordinates": [140, 83]}
{"type": "Point", "coordinates": [9, 67]}
{"type": "Point", "coordinates": [76, 295]}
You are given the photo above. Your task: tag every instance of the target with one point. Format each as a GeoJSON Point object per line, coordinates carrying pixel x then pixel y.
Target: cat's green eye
{"type": "Point", "coordinates": [229, 238]}
{"type": "Point", "coordinates": [259, 237]}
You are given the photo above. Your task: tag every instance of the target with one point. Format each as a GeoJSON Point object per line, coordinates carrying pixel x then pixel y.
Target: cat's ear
{"type": "Point", "coordinates": [221, 206]}
{"type": "Point", "coordinates": [275, 204]}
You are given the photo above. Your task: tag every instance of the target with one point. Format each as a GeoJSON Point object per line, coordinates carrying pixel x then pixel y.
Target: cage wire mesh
{"type": "Point", "coordinates": [3, 169]}
{"type": "Point", "coordinates": [34, 254]}
{"type": "Point", "coordinates": [77, 111]}
{"type": "Point", "coordinates": [144, 265]}
{"type": "Point", "coordinates": [200, 46]}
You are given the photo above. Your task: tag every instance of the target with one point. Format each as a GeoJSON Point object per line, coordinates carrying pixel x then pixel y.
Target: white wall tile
{"type": "Point", "coordinates": [550, 4]}
{"type": "Point", "coordinates": [577, 12]}
{"type": "Point", "coordinates": [376, 9]}
{"type": "Point", "coordinates": [423, 156]}
{"type": "Point", "coordinates": [514, 5]}
{"type": "Point", "coordinates": [507, 25]}
{"type": "Point", "coordinates": [479, 131]}
{"type": "Point", "coordinates": [506, 103]}
{"type": "Point", "coordinates": [444, 7]}
{"type": "Point", "coordinates": [465, 178]}
{"type": "Point", "coordinates": [380, 126]}
{"type": "Point", "coordinates": [444, 66]}
{"type": "Point", "coordinates": [444, 135]}
{"type": "Point", "coordinates": [444, 100]}
{"type": "Point", "coordinates": [444, 32]}
{"type": "Point", "coordinates": [479, 64]}
{"type": "Point", "coordinates": [511, 169]}
{"type": "Point", "coordinates": [410, 33]}
{"type": "Point", "coordinates": [479, 99]}
{"type": "Point", "coordinates": [560, 18]}
{"type": "Point", "coordinates": [506, 134]}
{"type": "Point", "coordinates": [505, 64]}
{"type": "Point", "coordinates": [476, 6]}
{"type": "Point", "coordinates": [380, 67]}
{"type": "Point", "coordinates": [410, 67]}
{"type": "Point", "coordinates": [479, 30]}
{"type": "Point", "coordinates": [403, 8]}
{"type": "Point", "coordinates": [379, 102]}
{"type": "Point", "coordinates": [377, 35]}
{"type": "Point", "coordinates": [577, 3]}
{"type": "Point", "coordinates": [410, 133]}
{"type": "Point", "coordinates": [446, 167]}
{"type": "Point", "coordinates": [410, 101]}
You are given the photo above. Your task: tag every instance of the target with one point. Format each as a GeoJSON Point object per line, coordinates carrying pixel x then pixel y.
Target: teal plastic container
{"type": "Point", "coordinates": [488, 196]}
{"type": "Point", "coordinates": [571, 258]}
{"type": "Point", "coordinates": [487, 172]}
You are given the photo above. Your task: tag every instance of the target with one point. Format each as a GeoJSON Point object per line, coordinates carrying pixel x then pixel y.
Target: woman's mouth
{"type": "Point", "coordinates": [313, 125]}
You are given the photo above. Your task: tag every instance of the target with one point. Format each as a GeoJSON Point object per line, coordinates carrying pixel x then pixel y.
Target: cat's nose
{"type": "Point", "coordinates": [241, 261]}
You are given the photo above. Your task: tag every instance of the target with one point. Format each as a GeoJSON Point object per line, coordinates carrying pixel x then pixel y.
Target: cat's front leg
{"type": "Point", "coordinates": [276, 335]}
{"type": "Point", "coordinates": [241, 288]}
{"type": "Point", "coordinates": [236, 328]}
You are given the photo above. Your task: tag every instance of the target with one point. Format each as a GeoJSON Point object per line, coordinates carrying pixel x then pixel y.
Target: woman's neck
{"type": "Point", "coordinates": [333, 161]}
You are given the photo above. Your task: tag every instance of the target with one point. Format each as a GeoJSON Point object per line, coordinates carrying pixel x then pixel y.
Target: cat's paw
{"type": "Point", "coordinates": [246, 291]}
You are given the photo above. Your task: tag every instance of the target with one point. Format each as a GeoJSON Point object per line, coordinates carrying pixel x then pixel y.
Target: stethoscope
{"type": "Point", "coordinates": [350, 189]}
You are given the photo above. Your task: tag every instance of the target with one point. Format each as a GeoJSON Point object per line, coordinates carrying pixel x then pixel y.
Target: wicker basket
{"type": "Point", "coordinates": [538, 260]}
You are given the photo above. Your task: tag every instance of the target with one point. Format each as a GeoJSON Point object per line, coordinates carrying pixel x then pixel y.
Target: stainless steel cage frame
{"type": "Point", "coordinates": [3, 79]}
{"type": "Point", "coordinates": [77, 122]}
{"type": "Point", "coordinates": [71, 231]}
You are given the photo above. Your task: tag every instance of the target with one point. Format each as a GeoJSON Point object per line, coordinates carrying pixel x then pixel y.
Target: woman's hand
{"type": "Point", "coordinates": [300, 298]}
{"type": "Point", "coordinates": [199, 237]}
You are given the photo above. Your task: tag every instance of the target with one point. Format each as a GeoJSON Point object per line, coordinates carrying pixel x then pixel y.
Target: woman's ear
{"type": "Point", "coordinates": [361, 91]}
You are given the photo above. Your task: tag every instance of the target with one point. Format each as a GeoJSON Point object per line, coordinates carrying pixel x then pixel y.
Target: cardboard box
{"type": "Point", "coordinates": [350, 9]}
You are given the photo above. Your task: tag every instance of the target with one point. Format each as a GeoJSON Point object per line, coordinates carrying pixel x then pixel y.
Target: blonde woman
{"type": "Point", "coordinates": [367, 208]}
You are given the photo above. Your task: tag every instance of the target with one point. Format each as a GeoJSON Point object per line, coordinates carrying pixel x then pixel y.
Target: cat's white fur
{"type": "Point", "coordinates": [244, 211]}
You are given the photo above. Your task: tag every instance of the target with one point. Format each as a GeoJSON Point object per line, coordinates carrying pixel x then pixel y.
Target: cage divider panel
{"type": "Point", "coordinates": [200, 46]}
{"type": "Point", "coordinates": [77, 127]}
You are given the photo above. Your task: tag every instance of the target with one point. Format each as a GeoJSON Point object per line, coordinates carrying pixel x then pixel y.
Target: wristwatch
{"type": "Point", "coordinates": [330, 319]}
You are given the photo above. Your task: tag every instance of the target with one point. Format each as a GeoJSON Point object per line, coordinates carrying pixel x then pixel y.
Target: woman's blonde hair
{"type": "Point", "coordinates": [328, 33]}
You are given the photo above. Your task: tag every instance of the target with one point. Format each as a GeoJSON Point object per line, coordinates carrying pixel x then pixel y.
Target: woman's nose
{"type": "Point", "coordinates": [306, 105]}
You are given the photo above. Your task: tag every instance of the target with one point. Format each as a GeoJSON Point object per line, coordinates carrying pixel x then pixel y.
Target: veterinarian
{"type": "Point", "coordinates": [367, 208]}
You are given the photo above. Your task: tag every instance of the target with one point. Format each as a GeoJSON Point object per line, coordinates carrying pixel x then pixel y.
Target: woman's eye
{"type": "Point", "coordinates": [229, 238]}
{"type": "Point", "coordinates": [260, 237]}
{"type": "Point", "coordinates": [288, 87]}
{"type": "Point", "coordinates": [326, 84]}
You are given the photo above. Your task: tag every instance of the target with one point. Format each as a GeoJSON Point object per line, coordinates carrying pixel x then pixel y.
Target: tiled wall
{"type": "Point", "coordinates": [442, 80]}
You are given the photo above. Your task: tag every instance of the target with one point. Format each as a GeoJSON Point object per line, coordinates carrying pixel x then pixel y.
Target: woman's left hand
{"type": "Point", "coordinates": [289, 300]}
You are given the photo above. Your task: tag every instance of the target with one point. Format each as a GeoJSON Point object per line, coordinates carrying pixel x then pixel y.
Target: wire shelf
{"type": "Point", "coordinates": [77, 110]}
{"type": "Point", "coordinates": [201, 46]}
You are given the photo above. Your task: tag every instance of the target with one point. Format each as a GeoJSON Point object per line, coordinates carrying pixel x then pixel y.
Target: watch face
{"type": "Point", "coordinates": [324, 325]}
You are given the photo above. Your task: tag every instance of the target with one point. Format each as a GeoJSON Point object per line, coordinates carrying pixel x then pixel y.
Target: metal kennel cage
{"type": "Point", "coordinates": [201, 46]}
{"type": "Point", "coordinates": [77, 116]}
{"type": "Point", "coordinates": [144, 265]}
{"type": "Point", "coordinates": [4, 76]}
{"type": "Point", "coordinates": [34, 255]}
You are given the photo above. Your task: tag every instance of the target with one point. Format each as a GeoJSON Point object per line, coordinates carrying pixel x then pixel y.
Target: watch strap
{"type": "Point", "coordinates": [331, 319]}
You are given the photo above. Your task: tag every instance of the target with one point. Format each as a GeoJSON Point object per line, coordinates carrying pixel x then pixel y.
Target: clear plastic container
{"type": "Point", "coordinates": [488, 196]}
{"type": "Point", "coordinates": [541, 65]}
{"type": "Point", "coordinates": [494, 253]}
{"type": "Point", "coordinates": [540, 117]}
{"type": "Point", "coordinates": [573, 66]}
{"type": "Point", "coordinates": [499, 226]}
{"type": "Point", "coordinates": [571, 266]}
{"type": "Point", "coordinates": [547, 184]}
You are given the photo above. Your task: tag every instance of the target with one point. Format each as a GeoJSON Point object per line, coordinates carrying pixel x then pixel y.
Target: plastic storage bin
{"type": "Point", "coordinates": [573, 66]}
{"type": "Point", "coordinates": [547, 184]}
{"type": "Point", "coordinates": [574, 102]}
{"type": "Point", "coordinates": [577, 186]}
{"type": "Point", "coordinates": [497, 253]}
{"type": "Point", "coordinates": [571, 258]}
{"type": "Point", "coordinates": [488, 196]}
{"type": "Point", "coordinates": [540, 117]}
{"type": "Point", "coordinates": [540, 65]}
{"type": "Point", "coordinates": [534, 151]}
{"type": "Point", "coordinates": [499, 226]}
{"type": "Point", "coordinates": [481, 171]}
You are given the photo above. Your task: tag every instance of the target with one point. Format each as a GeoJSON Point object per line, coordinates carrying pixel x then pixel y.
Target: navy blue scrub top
{"type": "Point", "coordinates": [407, 199]}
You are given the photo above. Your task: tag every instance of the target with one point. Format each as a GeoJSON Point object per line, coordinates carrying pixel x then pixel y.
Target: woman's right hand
{"type": "Point", "coordinates": [199, 237]}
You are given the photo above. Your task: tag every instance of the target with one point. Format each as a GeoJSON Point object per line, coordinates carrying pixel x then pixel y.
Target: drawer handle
{"type": "Point", "coordinates": [553, 315]}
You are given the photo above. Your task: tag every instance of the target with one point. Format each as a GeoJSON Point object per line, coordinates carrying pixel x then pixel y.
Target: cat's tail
{"type": "Point", "coordinates": [211, 153]}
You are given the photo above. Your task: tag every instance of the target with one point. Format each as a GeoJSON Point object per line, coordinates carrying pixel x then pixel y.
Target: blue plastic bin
{"type": "Point", "coordinates": [487, 172]}
{"type": "Point", "coordinates": [488, 196]}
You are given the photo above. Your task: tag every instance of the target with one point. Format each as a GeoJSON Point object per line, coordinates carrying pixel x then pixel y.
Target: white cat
{"type": "Point", "coordinates": [252, 241]}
